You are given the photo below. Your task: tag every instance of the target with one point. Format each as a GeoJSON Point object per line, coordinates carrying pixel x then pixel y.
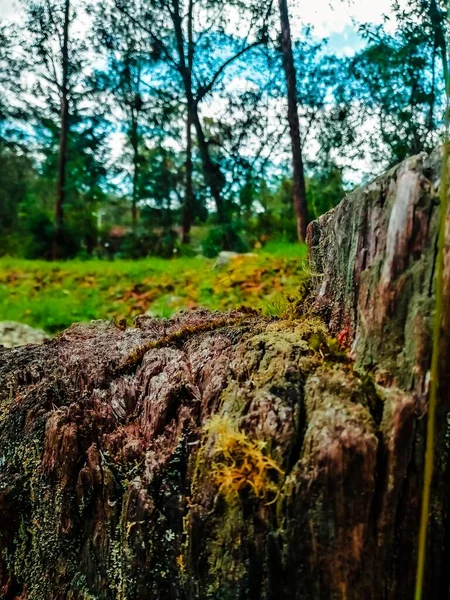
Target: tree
{"type": "Point", "coordinates": [189, 165]}
{"type": "Point", "coordinates": [325, 189]}
{"type": "Point", "coordinates": [257, 122]}
{"type": "Point", "coordinates": [124, 83]}
{"type": "Point", "coordinates": [12, 112]}
{"type": "Point", "coordinates": [17, 176]}
{"type": "Point", "coordinates": [55, 59]}
{"type": "Point", "coordinates": [177, 32]}
{"type": "Point", "coordinates": [64, 124]}
{"type": "Point", "coordinates": [299, 188]}
{"type": "Point", "coordinates": [4, 73]}
{"type": "Point", "coordinates": [390, 99]}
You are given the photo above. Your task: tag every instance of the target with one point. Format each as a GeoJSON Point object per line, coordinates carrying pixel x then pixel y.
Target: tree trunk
{"type": "Point", "coordinates": [214, 177]}
{"type": "Point", "coordinates": [300, 206]}
{"type": "Point", "coordinates": [236, 456]}
{"type": "Point", "coordinates": [62, 158]}
{"type": "Point", "coordinates": [189, 192]}
{"type": "Point", "coordinates": [136, 165]}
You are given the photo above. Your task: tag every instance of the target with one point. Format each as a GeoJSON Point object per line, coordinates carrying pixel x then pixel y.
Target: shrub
{"type": "Point", "coordinates": [224, 237]}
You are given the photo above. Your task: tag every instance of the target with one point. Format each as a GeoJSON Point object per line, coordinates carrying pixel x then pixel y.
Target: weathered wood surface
{"type": "Point", "coordinates": [114, 484]}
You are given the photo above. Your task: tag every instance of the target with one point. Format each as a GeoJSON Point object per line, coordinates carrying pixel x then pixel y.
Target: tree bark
{"type": "Point", "coordinates": [300, 205]}
{"type": "Point", "coordinates": [189, 192]}
{"type": "Point", "coordinates": [136, 167]}
{"type": "Point", "coordinates": [62, 158]}
{"type": "Point", "coordinates": [236, 456]}
{"type": "Point", "coordinates": [213, 175]}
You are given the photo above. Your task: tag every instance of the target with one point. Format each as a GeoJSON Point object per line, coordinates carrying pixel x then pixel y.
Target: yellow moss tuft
{"type": "Point", "coordinates": [239, 463]}
{"type": "Point", "coordinates": [180, 563]}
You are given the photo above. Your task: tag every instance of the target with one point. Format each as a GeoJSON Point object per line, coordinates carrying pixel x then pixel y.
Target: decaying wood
{"type": "Point", "coordinates": [114, 484]}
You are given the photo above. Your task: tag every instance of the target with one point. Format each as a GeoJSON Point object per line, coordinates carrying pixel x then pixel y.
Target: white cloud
{"type": "Point", "coordinates": [326, 16]}
{"type": "Point", "coordinates": [333, 17]}
{"type": "Point", "coordinates": [8, 9]}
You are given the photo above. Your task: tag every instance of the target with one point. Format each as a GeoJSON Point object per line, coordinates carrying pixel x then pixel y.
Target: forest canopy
{"type": "Point", "coordinates": [161, 127]}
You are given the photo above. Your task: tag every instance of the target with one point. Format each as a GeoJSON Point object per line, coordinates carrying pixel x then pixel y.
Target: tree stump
{"type": "Point", "coordinates": [233, 456]}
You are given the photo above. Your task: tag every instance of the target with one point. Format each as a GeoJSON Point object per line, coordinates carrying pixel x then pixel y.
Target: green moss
{"type": "Point", "coordinates": [178, 337]}
{"type": "Point", "coordinates": [226, 573]}
{"type": "Point", "coordinates": [7, 403]}
{"type": "Point", "coordinates": [236, 472]}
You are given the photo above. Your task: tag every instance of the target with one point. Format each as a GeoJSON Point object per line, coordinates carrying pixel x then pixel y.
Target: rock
{"type": "Point", "coordinates": [14, 334]}
{"type": "Point", "coordinates": [225, 258]}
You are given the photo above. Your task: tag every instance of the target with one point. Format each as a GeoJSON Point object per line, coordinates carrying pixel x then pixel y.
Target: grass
{"type": "Point", "coordinates": [54, 295]}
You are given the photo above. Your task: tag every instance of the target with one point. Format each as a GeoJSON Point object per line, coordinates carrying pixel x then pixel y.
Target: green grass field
{"type": "Point", "coordinates": [54, 295]}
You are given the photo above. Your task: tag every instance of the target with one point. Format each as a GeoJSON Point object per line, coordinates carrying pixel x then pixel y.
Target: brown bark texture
{"type": "Point", "coordinates": [234, 456]}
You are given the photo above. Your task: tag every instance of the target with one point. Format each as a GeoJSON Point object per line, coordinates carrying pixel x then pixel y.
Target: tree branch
{"type": "Point", "coordinates": [154, 37]}
{"type": "Point", "coordinates": [204, 90]}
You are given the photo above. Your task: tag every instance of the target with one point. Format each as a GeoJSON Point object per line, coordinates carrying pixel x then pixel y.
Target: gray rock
{"type": "Point", "coordinates": [14, 334]}
{"type": "Point", "coordinates": [225, 257]}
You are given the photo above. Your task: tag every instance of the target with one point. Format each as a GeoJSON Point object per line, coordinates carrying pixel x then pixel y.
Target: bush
{"type": "Point", "coordinates": [38, 231]}
{"type": "Point", "coordinates": [224, 237]}
{"type": "Point", "coordinates": [34, 239]}
{"type": "Point", "coordinates": [141, 243]}
{"type": "Point", "coordinates": [135, 244]}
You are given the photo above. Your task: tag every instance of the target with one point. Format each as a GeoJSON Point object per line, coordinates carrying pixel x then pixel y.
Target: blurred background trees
{"type": "Point", "coordinates": [161, 127]}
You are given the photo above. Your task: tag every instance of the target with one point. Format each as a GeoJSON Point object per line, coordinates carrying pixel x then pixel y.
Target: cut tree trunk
{"type": "Point", "coordinates": [234, 456]}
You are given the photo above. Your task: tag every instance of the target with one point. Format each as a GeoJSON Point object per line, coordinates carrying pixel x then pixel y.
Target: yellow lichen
{"type": "Point", "coordinates": [180, 563]}
{"type": "Point", "coordinates": [240, 463]}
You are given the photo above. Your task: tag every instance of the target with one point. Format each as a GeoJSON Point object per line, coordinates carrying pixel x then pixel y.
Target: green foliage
{"type": "Point", "coordinates": [127, 142]}
{"type": "Point", "coordinates": [16, 174]}
{"type": "Point", "coordinates": [141, 242]}
{"type": "Point", "coordinates": [38, 230]}
{"type": "Point", "coordinates": [231, 236]}
{"type": "Point", "coordinates": [324, 191]}
{"type": "Point", "coordinates": [276, 220]}
{"type": "Point", "coordinates": [390, 98]}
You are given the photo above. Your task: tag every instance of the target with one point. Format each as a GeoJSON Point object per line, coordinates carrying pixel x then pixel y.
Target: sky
{"type": "Point", "coordinates": [329, 17]}
{"type": "Point", "coordinates": [333, 17]}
